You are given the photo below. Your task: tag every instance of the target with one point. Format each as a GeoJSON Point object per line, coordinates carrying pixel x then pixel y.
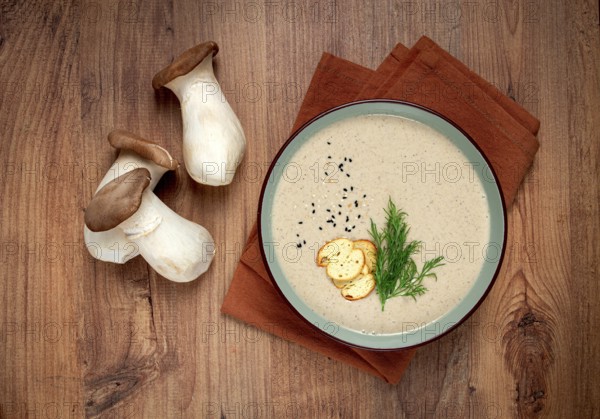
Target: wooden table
{"type": "Point", "coordinates": [84, 338]}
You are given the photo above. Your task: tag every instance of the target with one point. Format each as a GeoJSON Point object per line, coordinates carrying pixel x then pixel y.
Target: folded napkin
{"type": "Point", "coordinates": [424, 74]}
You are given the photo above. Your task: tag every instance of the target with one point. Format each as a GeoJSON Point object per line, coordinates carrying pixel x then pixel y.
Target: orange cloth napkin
{"type": "Point", "coordinates": [424, 74]}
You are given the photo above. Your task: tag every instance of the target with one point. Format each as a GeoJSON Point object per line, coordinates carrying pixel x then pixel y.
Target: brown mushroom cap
{"type": "Point", "coordinates": [121, 139]}
{"type": "Point", "coordinates": [117, 200]}
{"type": "Point", "coordinates": [185, 63]}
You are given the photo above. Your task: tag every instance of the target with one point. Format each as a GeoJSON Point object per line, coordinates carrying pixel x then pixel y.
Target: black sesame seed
{"type": "Point", "coordinates": [299, 245]}
{"type": "Point", "coordinates": [353, 227]}
{"type": "Point", "coordinates": [297, 235]}
{"type": "Point", "coordinates": [304, 241]}
{"type": "Point", "coordinates": [350, 160]}
{"type": "Point", "coordinates": [313, 211]}
{"type": "Point", "coordinates": [365, 195]}
{"type": "Point", "coordinates": [328, 142]}
{"type": "Point", "coordinates": [299, 222]}
{"type": "Point", "coordinates": [340, 205]}
{"type": "Point", "coordinates": [358, 216]}
{"type": "Point", "coordinates": [356, 204]}
{"type": "Point", "coordinates": [330, 221]}
{"type": "Point", "coordinates": [339, 212]}
{"type": "Point", "coordinates": [320, 228]}
{"type": "Point", "coordinates": [340, 165]}
{"type": "Point", "coordinates": [345, 189]}
{"type": "Point", "coordinates": [345, 159]}
{"type": "Point", "coordinates": [351, 188]}
{"type": "Point", "coordinates": [313, 204]}
{"type": "Point", "coordinates": [347, 174]}
{"type": "Point", "coordinates": [347, 218]}
{"type": "Point", "coordinates": [334, 224]}
{"type": "Point", "coordinates": [333, 216]}
{"type": "Point", "coordinates": [328, 210]}
{"type": "Point", "coordinates": [344, 197]}
{"type": "Point", "coordinates": [326, 174]}
{"type": "Point", "coordinates": [328, 157]}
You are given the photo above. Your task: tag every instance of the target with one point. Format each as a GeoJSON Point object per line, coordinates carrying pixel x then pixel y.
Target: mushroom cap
{"type": "Point", "coordinates": [117, 200]}
{"type": "Point", "coordinates": [185, 63]}
{"type": "Point", "coordinates": [121, 139]}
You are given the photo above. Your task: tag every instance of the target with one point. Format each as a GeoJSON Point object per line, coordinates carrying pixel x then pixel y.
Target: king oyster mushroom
{"type": "Point", "coordinates": [176, 248]}
{"type": "Point", "coordinates": [135, 152]}
{"type": "Point", "coordinates": [213, 138]}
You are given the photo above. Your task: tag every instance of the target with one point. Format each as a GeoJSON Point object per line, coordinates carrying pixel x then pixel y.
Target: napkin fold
{"type": "Point", "coordinates": [426, 75]}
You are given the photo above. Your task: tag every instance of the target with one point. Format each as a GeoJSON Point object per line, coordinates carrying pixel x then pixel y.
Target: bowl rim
{"type": "Point", "coordinates": [272, 166]}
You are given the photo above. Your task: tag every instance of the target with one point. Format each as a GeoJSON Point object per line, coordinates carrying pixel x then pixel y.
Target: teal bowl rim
{"type": "Point", "coordinates": [392, 341]}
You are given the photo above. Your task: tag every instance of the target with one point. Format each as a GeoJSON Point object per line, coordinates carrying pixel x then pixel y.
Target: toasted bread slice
{"type": "Point", "coordinates": [347, 268]}
{"type": "Point", "coordinates": [340, 283]}
{"type": "Point", "coordinates": [359, 287]}
{"type": "Point", "coordinates": [370, 252]}
{"type": "Point", "coordinates": [365, 269]}
{"type": "Point", "coordinates": [334, 250]}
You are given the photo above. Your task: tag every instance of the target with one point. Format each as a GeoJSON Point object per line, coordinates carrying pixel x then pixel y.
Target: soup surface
{"type": "Point", "coordinates": [343, 176]}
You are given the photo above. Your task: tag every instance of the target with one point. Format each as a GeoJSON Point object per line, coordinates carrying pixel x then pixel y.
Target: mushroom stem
{"type": "Point", "coordinates": [109, 246]}
{"type": "Point", "coordinates": [128, 160]}
{"type": "Point", "coordinates": [213, 139]}
{"type": "Point", "coordinates": [176, 248]}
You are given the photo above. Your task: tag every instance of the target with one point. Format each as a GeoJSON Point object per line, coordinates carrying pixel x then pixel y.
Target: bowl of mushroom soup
{"type": "Point", "coordinates": [331, 186]}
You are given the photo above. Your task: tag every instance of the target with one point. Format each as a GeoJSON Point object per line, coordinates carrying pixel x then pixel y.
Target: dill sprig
{"type": "Point", "coordinates": [396, 272]}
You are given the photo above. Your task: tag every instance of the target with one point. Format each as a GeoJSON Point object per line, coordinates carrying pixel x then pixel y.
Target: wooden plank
{"type": "Point", "coordinates": [125, 354]}
{"type": "Point", "coordinates": [583, 75]}
{"type": "Point", "coordinates": [520, 311]}
{"type": "Point", "coordinates": [40, 296]}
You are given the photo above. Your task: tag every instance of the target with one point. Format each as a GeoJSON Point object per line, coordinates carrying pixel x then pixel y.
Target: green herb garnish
{"type": "Point", "coordinates": [396, 272]}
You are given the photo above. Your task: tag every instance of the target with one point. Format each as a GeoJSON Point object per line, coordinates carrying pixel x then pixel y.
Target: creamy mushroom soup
{"type": "Point", "coordinates": [342, 177]}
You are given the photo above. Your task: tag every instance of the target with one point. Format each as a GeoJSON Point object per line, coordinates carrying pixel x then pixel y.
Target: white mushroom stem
{"type": "Point", "coordinates": [213, 138]}
{"type": "Point", "coordinates": [126, 162]}
{"type": "Point", "coordinates": [176, 248]}
{"type": "Point", "coordinates": [112, 245]}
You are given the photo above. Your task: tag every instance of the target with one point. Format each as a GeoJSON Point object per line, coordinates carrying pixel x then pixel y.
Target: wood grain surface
{"type": "Point", "coordinates": [79, 337]}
